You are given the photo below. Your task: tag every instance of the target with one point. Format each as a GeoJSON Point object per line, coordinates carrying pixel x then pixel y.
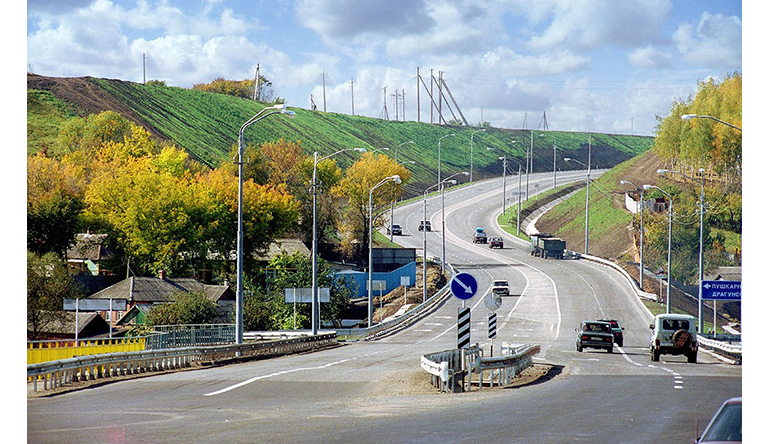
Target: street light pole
{"type": "Point", "coordinates": [700, 248]}
{"type": "Point", "coordinates": [315, 317]}
{"type": "Point", "coordinates": [397, 180]}
{"type": "Point", "coordinates": [471, 170]}
{"type": "Point", "coordinates": [588, 180]}
{"type": "Point", "coordinates": [443, 222]}
{"type": "Point", "coordinates": [265, 112]}
{"type": "Point", "coordinates": [641, 231]}
{"type": "Point", "coordinates": [439, 155]}
{"type": "Point", "coordinates": [668, 271]}
{"type": "Point", "coordinates": [695, 116]}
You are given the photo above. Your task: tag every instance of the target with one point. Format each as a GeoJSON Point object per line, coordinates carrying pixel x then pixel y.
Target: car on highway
{"type": "Point", "coordinates": [500, 287]}
{"type": "Point", "coordinates": [479, 237]}
{"type": "Point", "coordinates": [424, 225]}
{"type": "Point", "coordinates": [617, 330]}
{"type": "Point", "coordinates": [673, 334]}
{"type": "Point", "coordinates": [594, 334]}
{"type": "Point", "coordinates": [727, 423]}
{"type": "Point", "coordinates": [496, 242]}
{"type": "Point", "coordinates": [395, 229]}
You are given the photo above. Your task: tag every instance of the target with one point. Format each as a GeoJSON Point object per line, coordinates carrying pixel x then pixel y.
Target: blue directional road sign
{"type": "Point", "coordinates": [464, 286]}
{"type": "Point", "coordinates": [721, 290]}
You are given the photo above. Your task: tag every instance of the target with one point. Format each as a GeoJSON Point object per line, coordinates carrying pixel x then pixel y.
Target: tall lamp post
{"type": "Point", "coordinates": [439, 155]}
{"type": "Point", "coordinates": [695, 116]}
{"type": "Point", "coordinates": [700, 247]}
{"type": "Point", "coordinates": [641, 231]}
{"type": "Point", "coordinates": [588, 181]}
{"type": "Point", "coordinates": [471, 169]}
{"type": "Point", "coordinates": [279, 108]}
{"type": "Point", "coordinates": [396, 179]}
{"type": "Point", "coordinates": [393, 201]}
{"type": "Point", "coordinates": [443, 222]}
{"type": "Point", "coordinates": [668, 267]}
{"type": "Point", "coordinates": [314, 298]}
{"type": "Point", "coordinates": [700, 260]}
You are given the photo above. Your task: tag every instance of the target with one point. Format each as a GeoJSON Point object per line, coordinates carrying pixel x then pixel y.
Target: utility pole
{"type": "Point", "coordinates": [257, 89]}
{"type": "Point", "coordinates": [352, 103]}
{"type": "Point", "coordinates": [323, 83]}
{"type": "Point", "coordinates": [418, 94]}
{"type": "Point", "coordinates": [144, 69]}
{"type": "Point", "coordinates": [403, 105]}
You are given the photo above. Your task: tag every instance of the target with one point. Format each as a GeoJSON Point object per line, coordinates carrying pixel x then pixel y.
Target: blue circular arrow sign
{"type": "Point", "coordinates": [464, 286]}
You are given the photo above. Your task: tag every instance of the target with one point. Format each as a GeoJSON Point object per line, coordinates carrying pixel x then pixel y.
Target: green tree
{"type": "Point", "coordinates": [186, 308]}
{"type": "Point", "coordinates": [267, 309]}
{"type": "Point", "coordinates": [48, 284]}
{"type": "Point", "coordinates": [359, 179]}
{"type": "Point", "coordinates": [53, 207]}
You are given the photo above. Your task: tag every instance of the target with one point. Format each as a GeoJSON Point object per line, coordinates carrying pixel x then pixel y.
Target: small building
{"type": "Point", "coordinates": [63, 326]}
{"type": "Point", "coordinates": [88, 255]}
{"type": "Point", "coordinates": [144, 292]}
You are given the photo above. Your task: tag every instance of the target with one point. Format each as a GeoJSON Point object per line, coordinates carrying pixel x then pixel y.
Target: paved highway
{"type": "Point", "coordinates": [375, 391]}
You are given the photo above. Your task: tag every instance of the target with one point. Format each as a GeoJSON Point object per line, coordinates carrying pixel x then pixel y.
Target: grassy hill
{"type": "Point", "coordinates": [207, 125]}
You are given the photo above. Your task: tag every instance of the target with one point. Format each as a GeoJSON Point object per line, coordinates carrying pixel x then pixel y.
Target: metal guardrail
{"type": "Point", "coordinates": [400, 322]}
{"type": "Point", "coordinates": [62, 372]}
{"type": "Point", "coordinates": [724, 350]}
{"type": "Point", "coordinates": [172, 336]}
{"type": "Point", "coordinates": [449, 367]}
{"type": "Point", "coordinates": [727, 351]}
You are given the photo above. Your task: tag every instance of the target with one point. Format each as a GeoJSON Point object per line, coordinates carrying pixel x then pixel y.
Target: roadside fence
{"type": "Point", "coordinates": [54, 374]}
{"type": "Point", "coordinates": [451, 370]}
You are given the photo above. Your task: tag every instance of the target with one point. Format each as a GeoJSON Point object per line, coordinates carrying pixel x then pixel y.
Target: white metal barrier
{"type": "Point", "coordinates": [55, 374]}
{"type": "Point", "coordinates": [449, 367]}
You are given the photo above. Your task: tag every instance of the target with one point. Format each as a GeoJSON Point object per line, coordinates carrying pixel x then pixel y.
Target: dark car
{"type": "Point", "coordinates": [395, 229]}
{"type": "Point", "coordinates": [594, 334]}
{"type": "Point", "coordinates": [496, 242]}
{"type": "Point", "coordinates": [424, 225]}
{"type": "Point", "coordinates": [617, 330]}
{"type": "Point", "coordinates": [727, 423]}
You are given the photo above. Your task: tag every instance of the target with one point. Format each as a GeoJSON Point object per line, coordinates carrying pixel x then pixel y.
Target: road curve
{"type": "Point", "coordinates": [375, 391]}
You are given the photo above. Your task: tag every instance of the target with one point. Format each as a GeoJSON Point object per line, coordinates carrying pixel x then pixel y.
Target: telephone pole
{"type": "Point", "coordinates": [352, 103]}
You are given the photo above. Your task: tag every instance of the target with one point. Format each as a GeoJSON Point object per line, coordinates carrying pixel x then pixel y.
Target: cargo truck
{"type": "Point", "coordinates": [544, 245]}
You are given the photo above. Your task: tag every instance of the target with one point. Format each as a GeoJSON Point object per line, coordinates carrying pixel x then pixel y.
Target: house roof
{"type": "Point", "coordinates": [290, 246]}
{"type": "Point", "coordinates": [153, 290]}
{"type": "Point", "coordinates": [88, 322]}
{"type": "Point", "coordinates": [89, 247]}
{"type": "Point", "coordinates": [726, 274]}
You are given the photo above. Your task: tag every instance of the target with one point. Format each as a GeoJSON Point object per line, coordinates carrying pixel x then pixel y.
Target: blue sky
{"type": "Point", "coordinates": [594, 65]}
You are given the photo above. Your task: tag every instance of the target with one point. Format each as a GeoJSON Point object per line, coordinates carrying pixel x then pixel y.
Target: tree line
{"type": "Point", "coordinates": [686, 147]}
{"type": "Point", "coordinates": [165, 211]}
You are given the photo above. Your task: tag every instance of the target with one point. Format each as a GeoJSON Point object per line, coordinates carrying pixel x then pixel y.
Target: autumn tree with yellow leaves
{"type": "Point", "coordinates": [359, 179]}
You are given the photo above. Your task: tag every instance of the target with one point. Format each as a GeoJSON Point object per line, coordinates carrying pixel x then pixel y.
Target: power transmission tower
{"type": "Point", "coordinates": [543, 121]}
{"type": "Point", "coordinates": [384, 113]}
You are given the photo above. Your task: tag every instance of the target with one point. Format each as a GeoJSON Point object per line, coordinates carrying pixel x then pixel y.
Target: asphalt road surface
{"type": "Point", "coordinates": [375, 392]}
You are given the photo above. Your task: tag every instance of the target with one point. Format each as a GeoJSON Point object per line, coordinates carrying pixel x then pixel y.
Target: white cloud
{"type": "Point", "coordinates": [716, 42]}
{"type": "Point", "coordinates": [649, 57]}
{"type": "Point", "coordinates": [588, 24]}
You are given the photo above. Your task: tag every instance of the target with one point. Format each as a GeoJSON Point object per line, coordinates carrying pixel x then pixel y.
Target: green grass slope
{"type": "Point", "coordinates": [207, 126]}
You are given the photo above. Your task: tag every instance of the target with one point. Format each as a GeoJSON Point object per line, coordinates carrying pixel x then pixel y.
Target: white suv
{"type": "Point", "coordinates": [674, 334]}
